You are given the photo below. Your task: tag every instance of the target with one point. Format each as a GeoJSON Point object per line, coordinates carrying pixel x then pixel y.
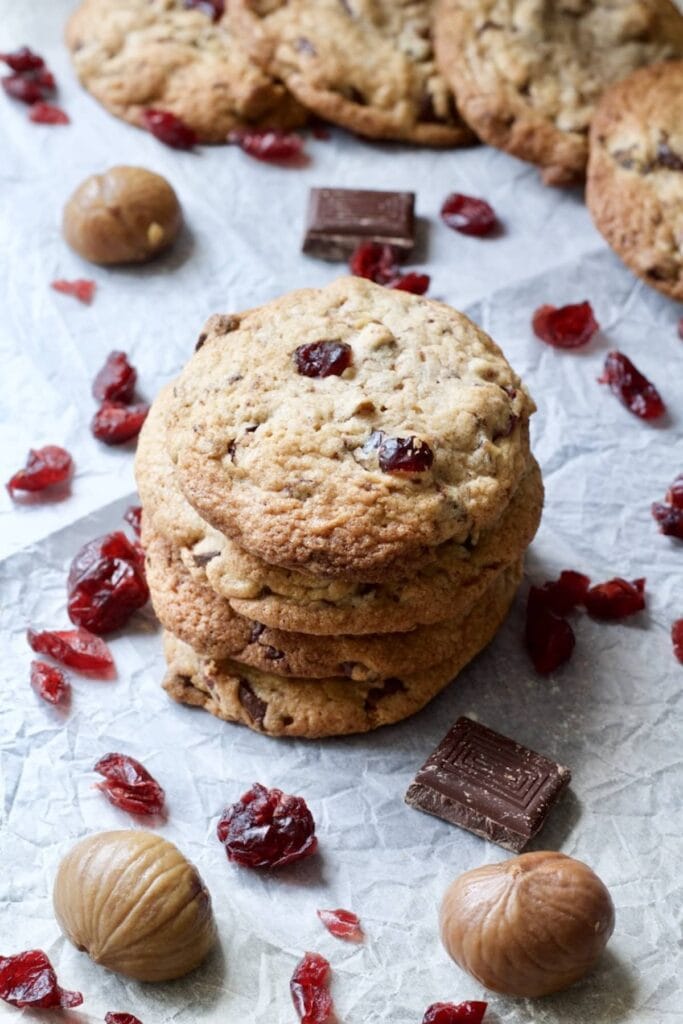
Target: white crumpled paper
{"type": "Point", "coordinates": [613, 714]}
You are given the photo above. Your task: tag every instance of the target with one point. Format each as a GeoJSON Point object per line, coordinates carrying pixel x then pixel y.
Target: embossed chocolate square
{"type": "Point", "coordinates": [340, 219]}
{"type": "Point", "coordinates": [488, 784]}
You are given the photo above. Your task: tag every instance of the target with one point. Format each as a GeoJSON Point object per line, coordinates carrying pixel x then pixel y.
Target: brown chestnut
{"type": "Point", "coordinates": [528, 926]}
{"type": "Point", "coordinates": [126, 215]}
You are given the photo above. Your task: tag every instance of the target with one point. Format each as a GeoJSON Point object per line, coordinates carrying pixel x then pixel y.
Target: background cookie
{"type": "Point", "coordinates": [365, 64]}
{"type": "Point", "coordinates": [527, 76]}
{"type": "Point", "coordinates": [289, 465]}
{"type": "Point", "coordinates": [316, 708]}
{"type": "Point", "coordinates": [136, 54]}
{"type": "Point", "coordinates": [635, 174]}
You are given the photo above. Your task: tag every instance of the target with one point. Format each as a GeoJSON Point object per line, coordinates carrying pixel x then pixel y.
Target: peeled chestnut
{"type": "Point", "coordinates": [529, 926]}
{"type": "Point", "coordinates": [134, 904]}
{"type": "Point", "coordinates": [126, 215]}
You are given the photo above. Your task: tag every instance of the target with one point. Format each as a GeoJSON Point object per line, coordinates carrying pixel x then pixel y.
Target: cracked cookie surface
{"type": "Point", "coordinates": [136, 54]}
{"type": "Point", "coordinates": [635, 174]}
{"type": "Point", "coordinates": [367, 65]}
{"type": "Point", "coordinates": [290, 466]}
{"type": "Point", "coordinates": [528, 75]}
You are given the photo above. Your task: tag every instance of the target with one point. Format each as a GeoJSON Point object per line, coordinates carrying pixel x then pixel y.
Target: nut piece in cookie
{"type": "Point", "coordinates": [125, 215]}
{"type": "Point", "coordinates": [635, 174]}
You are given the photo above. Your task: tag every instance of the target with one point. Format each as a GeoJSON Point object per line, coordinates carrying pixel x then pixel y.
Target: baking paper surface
{"type": "Point", "coordinates": [613, 714]}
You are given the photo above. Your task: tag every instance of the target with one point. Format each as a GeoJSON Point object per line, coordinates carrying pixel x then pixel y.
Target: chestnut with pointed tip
{"type": "Point", "coordinates": [528, 926]}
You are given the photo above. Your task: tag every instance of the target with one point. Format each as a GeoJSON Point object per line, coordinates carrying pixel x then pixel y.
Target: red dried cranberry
{"type": "Point", "coordinates": [677, 638]}
{"type": "Point", "coordinates": [169, 129]}
{"type": "Point", "coordinates": [405, 455]}
{"type": "Point", "coordinates": [23, 60]}
{"type": "Point", "coordinates": [564, 594]}
{"type": "Point", "coordinates": [44, 468]}
{"type": "Point", "coordinates": [266, 828]}
{"type": "Point", "coordinates": [106, 584]}
{"type": "Point", "coordinates": [29, 979]}
{"type": "Point", "coordinates": [669, 519]}
{"type": "Point", "coordinates": [81, 289]}
{"type": "Point", "coordinates": [417, 284]}
{"type": "Point", "coordinates": [323, 358]}
{"type": "Point", "coordinates": [49, 682]}
{"type": "Point", "coordinates": [268, 145]}
{"type": "Point", "coordinates": [129, 785]}
{"type": "Point", "coordinates": [310, 995]}
{"type": "Point", "coordinates": [76, 648]}
{"type": "Point", "coordinates": [471, 1012]}
{"type": "Point", "coordinates": [549, 639]}
{"type": "Point", "coordinates": [213, 9]}
{"type": "Point", "coordinates": [133, 516]}
{"type": "Point", "coordinates": [121, 1018]}
{"type": "Point", "coordinates": [342, 923]}
{"type": "Point", "coordinates": [115, 382]}
{"type": "Point", "coordinates": [566, 326]}
{"type": "Point", "coordinates": [631, 388]}
{"type": "Point", "coordinates": [47, 113]}
{"type": "Point", "coordinates": [375, 262]}
{"type": "Point", "coordinates": [675, 493]}
{"type": "Point", "coordinates": [615, 599]}
{"type": "Point", "coordinates": [116, 423]}
{"type": "Point", "coordinates": [468, 215]}
{"type": "Point", "coordinates": [29, 86]}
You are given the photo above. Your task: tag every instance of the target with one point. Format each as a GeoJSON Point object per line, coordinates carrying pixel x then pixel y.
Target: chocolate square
{"type": "Point", "coordinates": [488, 784]}
{"type": "Point", "coordinates": [340, 219]}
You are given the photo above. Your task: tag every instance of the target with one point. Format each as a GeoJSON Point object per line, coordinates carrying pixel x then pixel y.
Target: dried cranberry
{"type": "Point", "coordinates": [375, 262]}
{"type": "Point", "coordinates": [47, 113]}
{"type": "Point", "coordinates": [549, 639]}
{"type": "Point", "coordinates": [268, 144]}
{"type": "Point", "coordinates": [169, 129]}
{"type": "Point", "coordinates": [49, 682]}
{"type": "Point", "coordinates": [29, 86]}
{"type": "Point", "coordinates": [677, 638]}
{"type": "Point", "coordinates": [566, 326]}
{"type": "Point", "coordinates": [213, 9]}
{"type": "Point", "coordinates": [121, 1018]}
{"type": "Point", "coordinates": [76, 648]}
{"type": "Point", "coordinates": [116, 423]}
{"type": "Point", "coordinates": [342, 923]}
{"type": "Point", "coordinates": [29, 979]}
{"type": "Point", "coordinates": [405, 455]}
{"type": "Point", "coordinates": [44, 468]}
{"type": "Point", "coordinates": [412, 282]}
{"type": "Point", "coordinates": [615, 599]}
{"type": "Point", "coordinates": [675, 493]}
{"type": "Point", "coordinates": [129, 785]}
{"type": "Point", "coordinates": [630, 386]}
{"type": "Point", "coordinates": [323, 358]}
{"type": "Point", "coordinates": [133, 516]}
{"type": "Point", "coordinates": [116, 380]}
{"type": "Point", "coordinates": [669, 519]}
{"type": "Point", "coordinates": [267, 828]}
{"type": "Point", "coordinates": [468, 215]}
{"type": "Point", "coordinates": [310, 995]}
{"type": "Point", "coordinates": [565, 593]}
{"type": "Point", "coordinates": [106, 584]}
{"type": "Point", "coordinates": [81, 289]}
{"type": "Point", "coordinates": [23, 60]}
{"type": "Point", "coordinates": [448, 1013]}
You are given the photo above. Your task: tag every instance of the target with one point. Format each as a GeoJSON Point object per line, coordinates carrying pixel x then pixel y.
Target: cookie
{"type": "Point", "coordinates": [314, 708]}
{"type": "Point", "coordinates": [367, 65]}
{"type": "Point", "coordinates": [528, 76]}
{"type": "Point", "coordinates": [635, 174]}
{"type": "Point", "coordinates": [421, 439]}
{"type": "Point", "coordinates": [133, 55]}
{"type": "Point", "coordinates": [204, 620]}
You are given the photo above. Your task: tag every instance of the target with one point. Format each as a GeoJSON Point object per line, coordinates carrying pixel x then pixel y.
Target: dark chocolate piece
{"type": "Point", "coordinates": [489, 785]}
{"type": "Point", "coordinates": [340, 219]}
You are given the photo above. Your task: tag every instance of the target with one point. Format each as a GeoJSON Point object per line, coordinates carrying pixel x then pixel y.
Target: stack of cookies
{"type": "Point", "coordinates": [338, 493]}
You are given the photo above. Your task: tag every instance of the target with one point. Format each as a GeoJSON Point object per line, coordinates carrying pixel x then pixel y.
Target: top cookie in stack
{"type": "Point", "coordinates": [338, 490]}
